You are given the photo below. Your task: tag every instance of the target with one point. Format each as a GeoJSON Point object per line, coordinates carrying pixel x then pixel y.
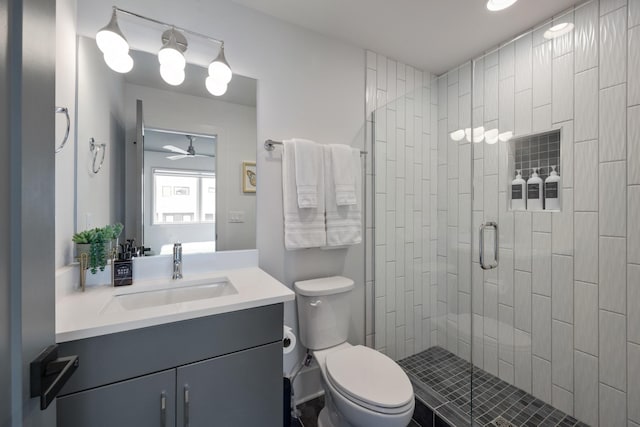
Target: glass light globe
{"type": "Point", "coordinates": [110, 38]}
{"type": "Point", "coordinates": [171, 56]}
{"type": "Point", "coordinates": [171, 75]}
{"type": "Point", "coordinates": [119, 62]}
{"type": "Point", "coordinates": [495, 5]}
{"type": "Point", "coordinates": [220, 71]}
{"type": "Point", "coordinates": [215, 87]}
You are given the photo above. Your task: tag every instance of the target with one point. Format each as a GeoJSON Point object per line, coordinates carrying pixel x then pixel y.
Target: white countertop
{"type": "Point", "coordinates": [82, 314]}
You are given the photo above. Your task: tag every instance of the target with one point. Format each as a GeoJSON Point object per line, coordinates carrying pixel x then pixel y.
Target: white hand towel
{"type": "Point", "coordinates": [344, 223]}
{"type": "Point", "coordinates": [303, 228]}
{"type": "Point", "coordinates": [343, 174]}
{"type": "Point", "coordinates": [308, 161]}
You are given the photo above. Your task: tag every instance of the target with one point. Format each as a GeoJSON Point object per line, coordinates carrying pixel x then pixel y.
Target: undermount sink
{"type": "Point", "coordinates": [159, 297]}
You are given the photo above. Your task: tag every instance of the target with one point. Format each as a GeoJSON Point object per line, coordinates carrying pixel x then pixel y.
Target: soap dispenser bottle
{"type": "Point", "coordinates": [552, 190]}
{"type": "Point", "coordinates": [518, 193]}
{"type": "Point", "coordinates": [535, 197]}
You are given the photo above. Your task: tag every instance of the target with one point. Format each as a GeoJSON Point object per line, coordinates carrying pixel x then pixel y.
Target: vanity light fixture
{"type": "Point", "coordinates": [496, 5]}
{"type": "Point", "coordinates": [114, 46]}
{"type": "Point", "coordinates": [558, 30]}
{"type": "Point", "coordinates": [457, 135]}
{"type": "Point", "coordinates": [491, 136]}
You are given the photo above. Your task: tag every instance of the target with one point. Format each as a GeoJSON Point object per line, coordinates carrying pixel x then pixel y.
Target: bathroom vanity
{"type": "Point", "coordinates": [204, 361]}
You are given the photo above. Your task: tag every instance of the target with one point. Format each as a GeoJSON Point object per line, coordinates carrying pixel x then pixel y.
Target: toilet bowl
{"type": "Point", "coordinates": [363, 387]}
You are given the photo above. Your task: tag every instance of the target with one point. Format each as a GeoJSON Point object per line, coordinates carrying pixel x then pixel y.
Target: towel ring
{"type": "Point", "coordinates": [65, 111]}
{"type": "Point", "coordinates": [95, 149]}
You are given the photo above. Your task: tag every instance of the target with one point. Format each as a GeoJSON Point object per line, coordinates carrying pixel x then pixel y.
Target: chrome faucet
{"type": "Point", "coordinates": [177, 261]}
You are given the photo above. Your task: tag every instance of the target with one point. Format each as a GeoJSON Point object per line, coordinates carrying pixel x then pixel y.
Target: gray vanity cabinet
{"type": "Point", "coordinates": [232, 390]}
{"type": "Point", "coordinates": [148, 401]}
{"type": "Point", "coordinates": [221, 370]}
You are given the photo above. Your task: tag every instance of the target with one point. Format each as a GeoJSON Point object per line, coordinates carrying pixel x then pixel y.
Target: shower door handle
{"type": "Point", "coordinates": [483, 228]}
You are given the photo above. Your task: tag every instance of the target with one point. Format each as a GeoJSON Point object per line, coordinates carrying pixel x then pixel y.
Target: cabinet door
{"type": "Point", "coordinates": [148, 401]}
{"type": "Point", "coordinates": [238, 389]}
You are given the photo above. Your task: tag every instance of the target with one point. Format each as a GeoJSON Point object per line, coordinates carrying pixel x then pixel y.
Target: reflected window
{"type": "Point", "coordinates": [183, 196]}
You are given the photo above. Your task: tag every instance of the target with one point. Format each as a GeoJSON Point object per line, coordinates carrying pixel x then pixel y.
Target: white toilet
{"type": "Point", "coordinates": [363, 387]}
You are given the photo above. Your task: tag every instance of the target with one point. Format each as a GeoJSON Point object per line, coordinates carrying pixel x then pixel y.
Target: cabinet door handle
{"type": "Point", "coordinates": [163, 409]}
{"type": "Point", "coordinates": [186, 405]}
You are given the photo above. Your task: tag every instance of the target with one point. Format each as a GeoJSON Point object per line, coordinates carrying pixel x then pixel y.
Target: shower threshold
{"type": "Point", "coordinates": [442, 383]}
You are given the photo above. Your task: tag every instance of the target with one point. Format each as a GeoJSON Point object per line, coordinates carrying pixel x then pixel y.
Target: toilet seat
{"type": "Point", "coordinates": [369, 379]}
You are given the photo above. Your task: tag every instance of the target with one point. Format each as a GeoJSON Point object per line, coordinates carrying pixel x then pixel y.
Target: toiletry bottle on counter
{"type": "Point", "coordinates": [518, 193]}
{"type": "Point", "coordinates": [534, 192]}
{"type": "Point", "coordinates": [552, 190]}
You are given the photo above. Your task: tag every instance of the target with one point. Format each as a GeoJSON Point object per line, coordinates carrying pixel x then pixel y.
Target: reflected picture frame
{"type": "Point", "coordinates": [249, 177]}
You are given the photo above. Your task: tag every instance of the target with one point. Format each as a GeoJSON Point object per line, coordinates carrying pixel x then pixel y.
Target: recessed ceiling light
{"type": "Point", "coordinates": [495, 5]}
{"type": "Point", "coordinates": [558, 30]}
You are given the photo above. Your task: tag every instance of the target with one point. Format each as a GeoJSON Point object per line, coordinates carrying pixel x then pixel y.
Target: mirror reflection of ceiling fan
{"type": "Point", "coordinates": [182, 154]}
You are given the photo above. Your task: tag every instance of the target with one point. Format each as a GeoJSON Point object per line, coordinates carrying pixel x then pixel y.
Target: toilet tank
{"type": "Point", "coordinates": [323, 311]}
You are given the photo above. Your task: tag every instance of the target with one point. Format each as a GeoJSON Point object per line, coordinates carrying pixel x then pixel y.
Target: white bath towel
{"type": "Point", "coordinates": [344, 223]}
{"type": "Point", "coordinates": [303, 228]}
{"type": "Point", "coordinates": [344, 176]}
{"type": "Point", "coordinates": [308, 161]}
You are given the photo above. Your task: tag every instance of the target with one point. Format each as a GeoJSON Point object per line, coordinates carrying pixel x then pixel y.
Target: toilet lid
{"type": "Point", "coordinates": [369, 376]}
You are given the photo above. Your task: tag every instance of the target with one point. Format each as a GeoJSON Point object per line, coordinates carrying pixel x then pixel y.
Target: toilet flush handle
{"type": "Point", "coordinates": [315, 303]}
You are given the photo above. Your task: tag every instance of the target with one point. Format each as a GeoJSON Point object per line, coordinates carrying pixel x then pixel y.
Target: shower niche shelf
{"type": "Point", "coordinates": [536, 152]}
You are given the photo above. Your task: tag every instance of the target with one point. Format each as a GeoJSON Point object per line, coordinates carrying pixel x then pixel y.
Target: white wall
{"type": "Point", "coordinates": [308, 86]}
{"type": "Point", "coordinates": [235, 127]}
{"type": "Point", "coordinates": [99, 116]}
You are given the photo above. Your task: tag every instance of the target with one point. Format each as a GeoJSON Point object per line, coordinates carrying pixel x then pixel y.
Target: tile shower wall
{"type": "Point", "coordinates": [560, 317]}
{"type": "Point", "coordinates": [403, 125]}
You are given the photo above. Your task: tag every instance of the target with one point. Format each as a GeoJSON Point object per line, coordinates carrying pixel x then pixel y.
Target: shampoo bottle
{"type": "Point", "coordinates": [534, 192]}
{"type": "Point", "coordinates": [518, 193]}
{"type": "Point", "coordinates": [552, 190]}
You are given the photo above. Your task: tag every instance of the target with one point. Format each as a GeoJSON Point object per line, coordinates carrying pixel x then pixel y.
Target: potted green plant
{"type": "Point", "coordinates": [96, 243]}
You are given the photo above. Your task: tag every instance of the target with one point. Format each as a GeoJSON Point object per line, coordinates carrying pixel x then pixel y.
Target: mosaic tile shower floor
{"type": "Point", "coordinates": [442, 381]}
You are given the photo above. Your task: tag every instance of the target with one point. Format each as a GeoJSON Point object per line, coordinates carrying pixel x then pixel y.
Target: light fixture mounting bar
{"type": "Point", "coordinates": [155, 21]}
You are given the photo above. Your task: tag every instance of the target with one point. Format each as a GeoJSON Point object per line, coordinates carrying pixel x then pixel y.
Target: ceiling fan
{"type": "Point", "coordinates": [189, 152]}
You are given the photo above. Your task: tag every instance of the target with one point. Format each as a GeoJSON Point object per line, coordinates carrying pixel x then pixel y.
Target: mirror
{"type": "Point", "coordinates": [181, 182]}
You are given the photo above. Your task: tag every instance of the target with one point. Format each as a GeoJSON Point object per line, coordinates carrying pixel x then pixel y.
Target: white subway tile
{"type": "Point", "coordinates": [506, 104]}
{"type": "Point", "coordinates": [541, 326]}
{"type": "Point", "coordinates": [541, 222]}
{"type": "Point", "coordinates": [586, 36]}
{"type": "Point", "coordinates": [490, 197]}
{"type": "Point", "coordinates": [381, 69]}
{"type": "Point", "coordinates": [542, 74]}
{"type": "Point", "coordinates": [633, 228]}
{"type": "Point", "coordinates": [562, 357]}
{"type": "Point", "coordinates": [478, 340]}
{"type": "Point", "coordinates": [523, 240]}
{"type": "Point", "coordinates": [452, 250]}
{"type": "Point", "coordinates": [633, 63]}
{"type": "Point", "coordinates": [566, 153]}
{"type": "Point", "coordinates": [633, 303]}
{"type": "Point", "coordinates": [452, 107]}
{"type": "Point", "coordinates": [562, 399]}
{"type": "Point", "coordinates": [505, 278]}
{"type": "Point", "coordinates": [538, 34]}
{"type": "Point", "coordinates": [586, 100]}
{"type": "Point", "coordinates": [613, 199]}
{"type": "Point", "coordinates": [607, 6]}
{"type": "Point", "coordinates": [390, 338]}
{"type": "Point", "coordinates": [442, 98]}
{"type": "Point", "coordinates": [523, 360]}
{"type": "Point", "coordinates": [523, 301]}
{"type": "Point", "coordinates": [613, 406]}
{"type": "Point", "coordinates": [452, 160]}
{"type": "Point", "coordinates": [507, 61]}
{"type": "Point", "coordinates": [491, 355]}
{"type": "Point", "coordinates": [464, 164]}
{"type": "Point", "coordinates": [586, 391]}
{"type": "Point", "coordinates": [563, 44]}
{"type": "Point", "coordinates": [634, 13]}
{"type": "Point", "coordinates": [401, 350]}
{"type": "Point", "coordinates": [613, 123]}
{"type": "Point", "coordinates": [477, 283]}
{"type": "Point", "coordinates": [562, 225]}
{"type": "Point", "coordinates": [586, 174]}
{"type": "Point", "coordinates": [613, 358]}
{"type": "Point", "coordinates": [562, 287]}
{"type": "Point", "coordinates": [491, 310]}
{"type": "Point", "coordinates": [491, 94]}
{"type": "Point", "coordinates": [523, 66]}
{"type": "Point", "coordinates": [542, 118]}
{"type": "Point", "coordinates": [541, 268]}
{"type": "Point", "coordinates": [478, 84]}
{"type": "Point", "coordinates": [633, 394]}
{"type": "Point", "coordinates": [491, 153]}
{"type": "Point", "coordinates": [562, 84]}
{"type": "Point", "coordinates": [380, 322]}
{"type": "Point", "coordinates": [633, 144]}
{"type": "Point", "coordinates": [391, 80]}
{"type": "Point", "coordinates": [505, 371]}
{"type": "Point", "coordinates": [506, 221]}
{"type": "Point", "coordinates": [464, 267]}
{"type": "Point", "coordinates": [586, 327]}
{"type": "Point", "coordinates": [613, 281]}
{"type": "Point", "coordinates": [542, 379]}
{"type": "Point", "coordinates": [505, 333]}
{"type": "Point", "coordinates": [523, 113]}
{"type": "Point", "coordinates": [613, 48]}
